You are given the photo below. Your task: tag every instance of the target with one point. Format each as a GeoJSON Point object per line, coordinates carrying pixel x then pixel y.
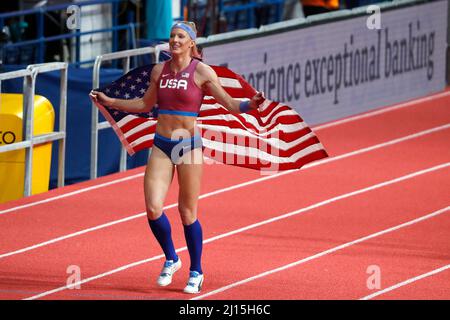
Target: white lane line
{"type": "Point", "coordinates": [382, 110]}
{"type": "Point", "coordinates": [406, 282]}
{"type": "Point", "coordinates": [233, 187]}
{"type": "Point", "coordinates": [316, 128]}
{"type": "Point", "coordinates": [73, 193]}
{"type": "Point", "coordinates": [323, 253]}
{"type": "Point", "coordinates": [252, 226]}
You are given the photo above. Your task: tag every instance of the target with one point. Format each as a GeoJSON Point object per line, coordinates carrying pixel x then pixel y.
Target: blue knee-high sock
{"type": "Point", "coordinates": [194, 240]}
{"type": "Point", "coordinates": [163, 233]}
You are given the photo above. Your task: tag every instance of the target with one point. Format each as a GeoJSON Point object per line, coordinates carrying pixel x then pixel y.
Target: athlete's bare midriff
{"type": "Point", "coordinates": [169, 124]}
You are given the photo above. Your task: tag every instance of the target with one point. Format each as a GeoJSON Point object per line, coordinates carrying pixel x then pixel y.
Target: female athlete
{"type": "Point", "coordinates": [177, 87]}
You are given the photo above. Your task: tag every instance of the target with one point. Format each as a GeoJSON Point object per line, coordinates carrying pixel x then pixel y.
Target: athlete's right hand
{"type": "Point", "coordinates": [257, 99]}
{"type": "Point", "coordinates": [101, 98]}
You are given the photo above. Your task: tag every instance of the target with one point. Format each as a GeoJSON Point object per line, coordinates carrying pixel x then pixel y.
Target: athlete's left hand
{"type": "Point", "coordinates": [257, 100]}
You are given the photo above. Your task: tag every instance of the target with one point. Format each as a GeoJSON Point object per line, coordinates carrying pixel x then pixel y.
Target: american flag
{"type": "Point", "coordinates": [272, 138]}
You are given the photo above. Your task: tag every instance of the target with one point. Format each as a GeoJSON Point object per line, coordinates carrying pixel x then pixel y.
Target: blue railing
{"type": "Point", "coordinates": [239, 14]}
{"type": "Point", "coordinates": [40, 41]}
{"type": "Point", "coordinates": [227, 8]}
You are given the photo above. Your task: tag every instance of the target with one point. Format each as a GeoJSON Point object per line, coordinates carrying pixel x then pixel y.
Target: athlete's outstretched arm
{"type": "Point", "coordinates": [211, 83]}
{"type": "Point", "coordinates": [143, 104]}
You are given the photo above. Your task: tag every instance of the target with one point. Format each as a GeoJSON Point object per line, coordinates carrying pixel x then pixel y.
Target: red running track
{"type": "Point", "coordinates": [252, 249]}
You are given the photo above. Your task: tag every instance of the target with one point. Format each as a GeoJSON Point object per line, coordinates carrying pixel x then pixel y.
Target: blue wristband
{"type": "Point", "coordinates": [244, 106]}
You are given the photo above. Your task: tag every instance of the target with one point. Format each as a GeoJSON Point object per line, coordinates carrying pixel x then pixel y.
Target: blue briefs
{"type": "Point", "coordinates": [175, 149]}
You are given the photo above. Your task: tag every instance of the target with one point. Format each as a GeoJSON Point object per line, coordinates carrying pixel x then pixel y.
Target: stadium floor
{"type": "Point", "coordinates": [379, 206]}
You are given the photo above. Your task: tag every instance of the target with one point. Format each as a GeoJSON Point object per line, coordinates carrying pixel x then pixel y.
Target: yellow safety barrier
{"type": "Point", "coordinates": [12, 163]}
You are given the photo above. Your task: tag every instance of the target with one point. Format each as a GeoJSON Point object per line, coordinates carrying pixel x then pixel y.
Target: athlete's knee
{"type": "Point", "coordinates": [154, 210]}
{"type": "Point", "coordinates": [188, 214]}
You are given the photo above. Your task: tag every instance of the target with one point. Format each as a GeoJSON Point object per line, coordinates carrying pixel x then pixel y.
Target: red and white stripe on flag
{"type": "Point", "coordinates": [272, 138]}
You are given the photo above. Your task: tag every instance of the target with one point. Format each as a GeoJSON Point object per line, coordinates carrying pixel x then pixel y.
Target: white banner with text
{"type": "Point", "coordinates": [337, 69]}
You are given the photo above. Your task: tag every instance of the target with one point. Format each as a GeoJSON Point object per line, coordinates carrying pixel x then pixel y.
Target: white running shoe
{"type": "Point", "coordinates": [195, 282]}
{"type": "Point", "coordinates": [169, 268]}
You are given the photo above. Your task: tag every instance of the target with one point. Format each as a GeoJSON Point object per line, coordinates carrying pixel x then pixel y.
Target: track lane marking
{"type": "Point", "coordinates": [315, 128]}
{"type": "Point", "coordinates": [264, 222]}
{"type": "Point", "coordinates": [406, 282]}
{"type": "Point", "coordinates": [324, 253]}
{"type": "Point", "coordinates": [233, 187]}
